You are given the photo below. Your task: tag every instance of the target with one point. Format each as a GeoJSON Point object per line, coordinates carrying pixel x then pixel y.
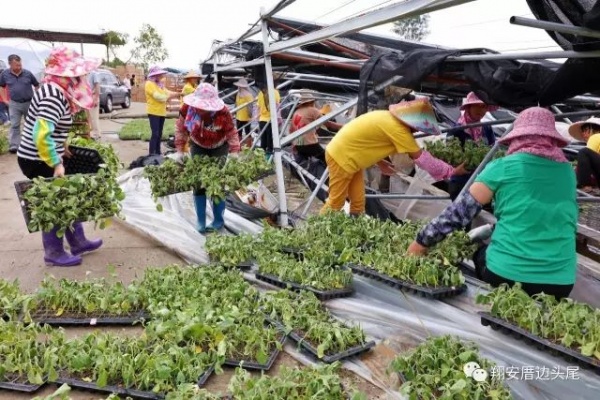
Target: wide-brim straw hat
{"type": "Point", "coordinates": [417, 114]}
{"type": "Point", "coordinates": [70, 64]}
{"type": "Point", "coordinates": [575, 129]}
{"type": "Point", "coordinates": [306, 96]}
{"type": "Point", "coordinates": [535, 122]}
{"type": "Point", "coordinates": [242, 83]}
{"type": "Point", "coordinates": [205, 97]}
{"type": "Point", "coordinates": [155, 71]}
{"type": "Point", "coordinates": [473, 99]}
{"type": "Point", "coordinates": [192, 75]}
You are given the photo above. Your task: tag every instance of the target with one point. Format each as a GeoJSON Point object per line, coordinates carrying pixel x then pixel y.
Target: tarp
{"type": "Point", "coordinates": [396, 320]}
{"type": "Point", "coordinates": [33, 54]}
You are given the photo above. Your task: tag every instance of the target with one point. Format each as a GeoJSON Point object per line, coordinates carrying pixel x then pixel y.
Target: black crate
{"type": "Point", "coordinates": [121, 391]}
{"type": "Point", "coordinates": [204, 377]}
{"type": "Point", "coordinates": [434, 293]}
{"type": "Point", "coordinates": [555, 349]}
{"type": "Point", "coordinates": [321, 294]}
{"type": "Point", "coordinates": [83, 320]}
{"type": "Point", "coordinates": [351, 352]}
{"type": "Point", "coordinates": [21, 387]}
{"type": "Point", "coordinates": [83, 160]}
{"type": "Point", "coordinates": [255, 365]}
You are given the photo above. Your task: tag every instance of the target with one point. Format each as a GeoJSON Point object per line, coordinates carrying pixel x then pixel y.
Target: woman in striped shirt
{"type": "Point", "coordinates": [64, 92]}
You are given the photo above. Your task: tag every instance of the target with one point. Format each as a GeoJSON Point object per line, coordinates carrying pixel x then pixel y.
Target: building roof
{"type": "Point", "coordinates": [53, 36]}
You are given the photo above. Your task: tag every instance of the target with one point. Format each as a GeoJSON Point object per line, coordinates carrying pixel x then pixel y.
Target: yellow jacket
{"type": "Point", "coordinates": [243, 114]}
{"type": "Point", "coordinates": [156, 99]}
{"type": "Point", "coordinates": [263, 109]}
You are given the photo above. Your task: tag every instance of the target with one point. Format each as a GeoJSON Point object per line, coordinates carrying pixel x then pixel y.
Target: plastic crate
{"type": "Point", "coordinates": [83, 160]}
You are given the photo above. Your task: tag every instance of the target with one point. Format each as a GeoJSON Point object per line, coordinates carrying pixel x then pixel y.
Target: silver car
{"type": "Point", "coordinates": [112, 91]}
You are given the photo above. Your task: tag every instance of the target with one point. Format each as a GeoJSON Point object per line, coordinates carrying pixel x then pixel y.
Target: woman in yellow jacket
{"type": "Point", "coordinates": [157, 97]}
{"type": "Point", "coordinates": [264, 119]}
{"type": "Point", "coordinates": [244, 114]}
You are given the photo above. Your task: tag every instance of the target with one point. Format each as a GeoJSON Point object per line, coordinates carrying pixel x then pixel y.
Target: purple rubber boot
{"type": "Point", "coordinates": [79, 244]}
{"type": "Point", "coordinates": [54, 251]}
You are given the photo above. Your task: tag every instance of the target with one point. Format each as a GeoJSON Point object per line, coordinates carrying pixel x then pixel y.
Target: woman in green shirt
{"type": "Point", "coordinates": [533, 189]}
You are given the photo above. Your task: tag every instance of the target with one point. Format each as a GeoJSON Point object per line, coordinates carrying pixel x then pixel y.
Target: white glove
{"type": "Point", "coordinates": [233, 155]}
{"type": "Point", "coordinates": [178, 157]}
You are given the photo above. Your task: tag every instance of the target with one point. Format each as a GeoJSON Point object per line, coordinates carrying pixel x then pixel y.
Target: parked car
{"type": "Point", "coordinates": [112, 91]}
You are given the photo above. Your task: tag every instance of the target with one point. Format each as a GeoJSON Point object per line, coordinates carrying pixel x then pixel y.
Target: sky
{"type": "Point", "coordinates": [189, 27]}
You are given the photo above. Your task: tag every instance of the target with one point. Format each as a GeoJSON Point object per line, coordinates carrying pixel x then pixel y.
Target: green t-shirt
{"type": "Point", "coordinates": [535, 202]}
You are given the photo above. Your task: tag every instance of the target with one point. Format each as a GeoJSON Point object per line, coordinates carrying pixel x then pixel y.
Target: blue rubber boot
{"type": "Point", "coordinates": [200, 205]}
{"type": "Point", "coordinates": [218, 216]}
{"type": "Point", "coordinates": [268, 155]}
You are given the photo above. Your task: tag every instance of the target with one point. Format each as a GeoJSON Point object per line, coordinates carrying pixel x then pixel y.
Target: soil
{"type": "Point", "coordinates": [124, 248]}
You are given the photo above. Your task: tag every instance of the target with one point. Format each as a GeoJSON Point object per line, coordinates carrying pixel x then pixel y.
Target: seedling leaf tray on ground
{"type": "Point", "coordinates": [50, 318]}
{"type": "Point", "coordinates": [434, 293]}
{"type": "Point", "coordinates": [331, 358]}
{"type": "Point", "coordinates": [21, 387]}
{"type": "Point", "coordinates": [321, 294]}
{"type": "Point", "coordinates": [255, 365]}
{"type": "Point", "coordinates": [204, 377]}
{"type": "Point", "coordinates": [90, 386]}
{"type": "Point", "coordinates": [83, 160]}
{"type": "Point", "coordinates": [555, 349]}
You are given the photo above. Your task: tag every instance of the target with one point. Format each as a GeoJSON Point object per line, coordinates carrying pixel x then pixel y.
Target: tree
{"type": "Point", "coordinates": [415, 28]}
{"type": "Point", "coordinates": [149, 47]}
{"type": "Point", "coordinates": [114, 40]}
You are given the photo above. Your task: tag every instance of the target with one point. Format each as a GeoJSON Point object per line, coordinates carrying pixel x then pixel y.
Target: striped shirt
{"type": "Point", "coordinates": [47, 125]}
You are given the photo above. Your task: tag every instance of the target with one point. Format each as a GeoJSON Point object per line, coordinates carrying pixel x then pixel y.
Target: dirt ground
{"type": "Point", "coordinates": [21, 257]}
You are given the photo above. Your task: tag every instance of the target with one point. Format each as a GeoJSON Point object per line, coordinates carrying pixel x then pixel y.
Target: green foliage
{"type": "Point", "coordinates": [106, 151]}
{"type": "Point", "coordinates": [434, 370]}
{"type": "Point", "coordinates": [452, 152]}
{"type": "Point", "coordinates": [414, 28]}
{"type": "Point", "coordinates": [140, 129]}
{"type": "Point", "coordinates": [4, 142]}
{"type": "Point", "coordinates": [567, 322]}
{"type": "Point", "coordinates": [149, 47]}
{"type": "Point", "coordinates": [11, 299]}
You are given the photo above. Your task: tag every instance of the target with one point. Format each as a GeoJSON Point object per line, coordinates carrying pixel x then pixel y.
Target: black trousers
{"type": "Point", "coordinates": [243, 128]}
{"type": "Point", "coordinates": [157, 124]}
{"type": "Point", "coordinates": [266, 141]}
{"type": "Point", "coordinates": [312, 150]}
{"type": "Point", "coordinates": [484, 274]}
{"type": "Point", "coordinates": [219, 152]}
{"type": "Point", "coordinates": [34, 169]}
{"type": "Point", "coordinates": [588, 165]}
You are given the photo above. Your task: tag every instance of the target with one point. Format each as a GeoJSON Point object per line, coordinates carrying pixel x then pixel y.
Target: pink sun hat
{"type": "Point", "coordinates": [532, 122]}
{"type": "Point", "coordinates": [156, 70]}
{"type": "Point", "coordinates": [65, 62]}
{"type": "Point", "coordinates": [472, 99]}
{"type": "Point", "coordinates": [205, 97]}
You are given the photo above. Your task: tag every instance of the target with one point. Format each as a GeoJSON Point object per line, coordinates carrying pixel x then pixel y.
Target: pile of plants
{"type": "Point", "coordinates": [24, 358]}
{"type": "Point", "coordinates": [213, 174]}
{"type": "Point", "coordinates": [69, 298]}
{"type": "Point", "coordinates": [106, 151]}
{"type": "Point", "coordinates": [4, 142]}
{"type": "Point", "coordinates": [309, 272]}
{"type": "Point", "coordinates": [190, 391]}
{"type": "Point", "coordinates": [566, 322]}
{"type": "Point", "coordinates": [452, 152]}
{"type": "Point", "coordinates": [140, 363]}
{"type": "Point", "coordinates": [316, 383]}
{"type": "Point", "coordinates": [140, 129]}
{"type": "Point", "coordinates": [80, 126]}
{"type": "Point", "coordinates": [436, 370]}
{"type": "Point", "coordinates": [60, 202]}
{"type": "Point", "coordinates": [303, 314]}
{"type": "Point", "coordinates": [231, 250]}
{"type": "Point", "coordinates": [11, 299]}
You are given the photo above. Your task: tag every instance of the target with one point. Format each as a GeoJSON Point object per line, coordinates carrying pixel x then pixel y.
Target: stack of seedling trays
{"type": "Point", "coordinates": [589, 215]}
{"type": "Point", "coordinates": [82, 161]}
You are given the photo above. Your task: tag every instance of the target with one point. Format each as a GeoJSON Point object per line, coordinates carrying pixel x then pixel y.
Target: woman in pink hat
{"type": "Point", "coordinates": [473, 110]}
{"type": "Point", "coordinates": [157, 97]}
{"type": "Point", "coordinates": [64, 91]}
{"type": "Point", "coordinates": [206, 122]}
{"type": "Point", "coordinates": [533, 190]}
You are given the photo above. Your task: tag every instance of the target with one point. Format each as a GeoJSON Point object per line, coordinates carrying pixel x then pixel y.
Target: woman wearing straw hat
{"type": "Point", "coordinates": [157, 97]}
{"type": "Point", "coordinates": [369, 140]}
{"type": "Point", "coordinates": [308, 144]}
{"type": "Point", "coordinates": [588, 158]}
{"type": "Point", "coordinates": [473, 109]}
{"type": "Point", "coordinates": [244, 114]}
{"type": "Point", "coordinates": [206, 120]}
{"type": "Point", "coordinates": [192, 80]}
{"type": "Point", "coordinates": [533, 189]}
{"type": "Point", "coordinates": [64, 91]}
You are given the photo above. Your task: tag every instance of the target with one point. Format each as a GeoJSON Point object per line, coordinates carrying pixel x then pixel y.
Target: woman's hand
{"type": "Point", "coordinates": [415, 249]}
{"type": "Point", "coordinates": [386, 167]}
{"type": "Point", "coordinates": [460, 170]}
{"type": "Point", "coordinates": [67, 153]}
{"type": "Point", "coordinates": [59, 171]}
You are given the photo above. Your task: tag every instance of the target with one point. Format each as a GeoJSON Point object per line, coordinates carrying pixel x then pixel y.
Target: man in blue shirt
{"type": "Point", "coordinates": [20, 83]}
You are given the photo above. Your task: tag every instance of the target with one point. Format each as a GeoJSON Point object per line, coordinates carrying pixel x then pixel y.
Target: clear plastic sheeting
{"type": "Point", "coordinates": [175, 226]}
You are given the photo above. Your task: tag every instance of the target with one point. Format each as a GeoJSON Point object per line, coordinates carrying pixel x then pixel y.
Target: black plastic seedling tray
{"type": "Point", "coordinates": [255, 365]}
{"type": "Point", "coordinates": [297, 253]}
{"type": "Point", "coordinates": [89, 386]}
{"type": "Point", "coordinates": [49, 319]}
{"type": "Point", "coordinates": [543, 344]}
{"type": "Point", "coordinates": [83, 160]}
{"type": "Point", "coordinates": [322, 295]}
{"type": "Point", "coordinates": [434, 293]}
{"type": "Point", "coordinates": [21, 387]}
{"type": "Point", "coordinates": [204, 377]}
{"type": "Point", "coordinates": [351, 352]}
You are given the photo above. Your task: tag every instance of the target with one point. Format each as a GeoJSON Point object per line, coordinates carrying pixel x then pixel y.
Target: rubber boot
{"type": "Point", "coordinates": [268, 155]}
{"type": "Point", "coordinates": [54, 251]}
{"type": "Point", "coordinates": [200, 204]}
{"type": "Point", "coordinates": [218, 216]}
{"type": "Point", "coordinates": [78, 242]}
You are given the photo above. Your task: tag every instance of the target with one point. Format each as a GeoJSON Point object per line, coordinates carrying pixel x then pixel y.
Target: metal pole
{"type": "Point", "coordinates": [591, 199]}
{"type": "Point", "coordinates": [405, 196]}
{"type": "Point", "coordinates": [555, 27]}
{"type": "Point", "coordinates": [303, 171]}
{"type": "Point", "coordinates": [283, 220]}
{"type": "Point", "coordinates": [215, 70]}
{"type": "Point", "coordinates": [557, 110]}
{"type": "Point", "coordinates": [313, 195]}
{"type": "Point", "coordinates": [526, 56]}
